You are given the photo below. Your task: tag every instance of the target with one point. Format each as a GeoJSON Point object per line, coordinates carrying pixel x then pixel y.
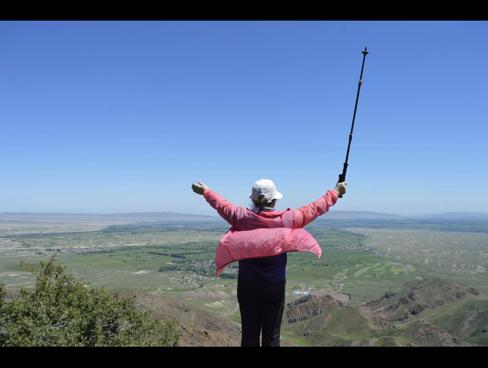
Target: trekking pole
{"type": "Point", "coordinates": [342, 177]}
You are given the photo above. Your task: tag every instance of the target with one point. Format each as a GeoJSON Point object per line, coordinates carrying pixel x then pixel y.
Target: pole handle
{"type": "Point", "coordinates": [342, 179]}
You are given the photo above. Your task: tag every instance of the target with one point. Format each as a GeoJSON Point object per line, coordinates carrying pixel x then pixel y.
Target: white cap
{"type": "Point", "coordinates": [267, 188]}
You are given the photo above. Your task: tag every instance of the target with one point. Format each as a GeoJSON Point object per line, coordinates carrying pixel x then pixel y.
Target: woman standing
{"type": "Point", "coordinates": [262, 279]}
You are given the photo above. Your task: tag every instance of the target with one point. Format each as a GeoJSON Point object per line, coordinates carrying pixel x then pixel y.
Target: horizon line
{"type": "Point", "coordinates": [216, 216]}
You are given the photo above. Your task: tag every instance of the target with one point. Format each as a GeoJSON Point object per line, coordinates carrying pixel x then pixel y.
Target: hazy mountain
{"type": "Point", "coordinates": [28, 223]}
{"type": "Point", "coordinates": [363, 215]}
{"type": "Point", "coordinates": [117, 217]}
{"type": "Point", "coordinates": [177, 216]}
{"type": "Point", "coordinates": [457, 216]}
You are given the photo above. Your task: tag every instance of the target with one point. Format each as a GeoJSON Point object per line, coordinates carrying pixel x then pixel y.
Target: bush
{"type": "Point", "coordinates": [63, 311]}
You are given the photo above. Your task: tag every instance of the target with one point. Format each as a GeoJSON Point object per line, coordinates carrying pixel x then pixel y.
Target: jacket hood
{"type": "Point", "coordinates": [272, 214]}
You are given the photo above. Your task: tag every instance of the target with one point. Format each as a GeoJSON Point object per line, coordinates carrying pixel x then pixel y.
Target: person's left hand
{"type": "Point", "coordinates": [199, 187]}
{"type": "Point", "coordinates": [341, 188]}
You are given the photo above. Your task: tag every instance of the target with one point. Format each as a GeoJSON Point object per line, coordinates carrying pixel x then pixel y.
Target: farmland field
{"type": "Point", "coordinates": [454, 256]}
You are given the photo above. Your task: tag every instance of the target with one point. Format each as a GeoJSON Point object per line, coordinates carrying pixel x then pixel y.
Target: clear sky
{"type": "Point", "coordinates": [123, 116]}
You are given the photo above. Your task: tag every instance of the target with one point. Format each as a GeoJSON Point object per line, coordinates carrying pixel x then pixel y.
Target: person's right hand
{"type": "Point", "coordinates": [341, 188]}
{"type": "Point", "coordinates": [198, 187]}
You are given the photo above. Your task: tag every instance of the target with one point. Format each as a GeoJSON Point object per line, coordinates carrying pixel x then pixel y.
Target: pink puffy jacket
{"type": "Point", "coordinates": [268, 233]}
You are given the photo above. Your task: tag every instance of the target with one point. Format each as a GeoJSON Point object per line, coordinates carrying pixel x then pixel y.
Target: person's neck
{"type": "Point", "coordinates": [257, 209]}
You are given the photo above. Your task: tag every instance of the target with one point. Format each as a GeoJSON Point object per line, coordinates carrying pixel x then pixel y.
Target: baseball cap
{"type": "Point", "coordinates": [267, 188]}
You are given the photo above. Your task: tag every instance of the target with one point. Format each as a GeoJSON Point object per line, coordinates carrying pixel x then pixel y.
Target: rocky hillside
{"type": "Point", "coordinates": [416, 298]}
{"type": "Point", "coordinates": [310, 306]}
{"type": "Point", "coordinates": [426, 313]}
{"type": "Point", "coordinates": [197, 326]}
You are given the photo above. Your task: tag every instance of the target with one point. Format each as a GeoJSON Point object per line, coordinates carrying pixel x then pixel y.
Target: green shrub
{"type": "Point", "coordinates": [63, 311]}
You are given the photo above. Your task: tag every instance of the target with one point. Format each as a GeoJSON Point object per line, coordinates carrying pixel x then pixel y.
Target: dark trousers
{"type": "Point", "coordinates": [261, 306]}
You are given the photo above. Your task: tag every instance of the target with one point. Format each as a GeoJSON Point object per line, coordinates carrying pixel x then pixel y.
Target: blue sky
{"type": "Point", "coordinates": [123, 116]}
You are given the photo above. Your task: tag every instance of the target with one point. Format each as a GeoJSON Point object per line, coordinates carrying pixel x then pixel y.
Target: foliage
{"type": "Point", "coordinates": [63, 311]}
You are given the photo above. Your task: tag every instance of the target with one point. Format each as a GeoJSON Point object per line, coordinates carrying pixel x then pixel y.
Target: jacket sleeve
{"type": "Point", "coordinates": [306, 214]}
{"type": "Point", "coordinates": [225, 209]}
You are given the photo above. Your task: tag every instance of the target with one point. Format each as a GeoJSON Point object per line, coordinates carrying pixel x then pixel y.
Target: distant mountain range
{"type": "Point", "coordinates": [356, 215]}
{"type": "Point", "coordinates": [118, 217]}
{"type": "Point", "coordinates": [139, 217]}
{"type": "Point", "coordinates": [370, 215]}
{"type": "Point", "coordinates": [457, 216]}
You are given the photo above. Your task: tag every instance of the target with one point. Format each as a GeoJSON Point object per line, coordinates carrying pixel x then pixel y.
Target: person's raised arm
{"type": "Point", "coordinates": [306, 214]}
{"type": "Point", "coordinates": [225, 209]}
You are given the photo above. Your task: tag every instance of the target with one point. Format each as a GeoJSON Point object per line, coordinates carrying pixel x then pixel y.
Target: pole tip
{"type": "Point", "coordinates": [365, 51]}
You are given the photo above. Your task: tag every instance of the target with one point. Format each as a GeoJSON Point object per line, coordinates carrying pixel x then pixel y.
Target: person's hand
{"type": "Point", "coordinates": [198, 187]}
{"type": "Point", "coordinates": [341, 188]}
